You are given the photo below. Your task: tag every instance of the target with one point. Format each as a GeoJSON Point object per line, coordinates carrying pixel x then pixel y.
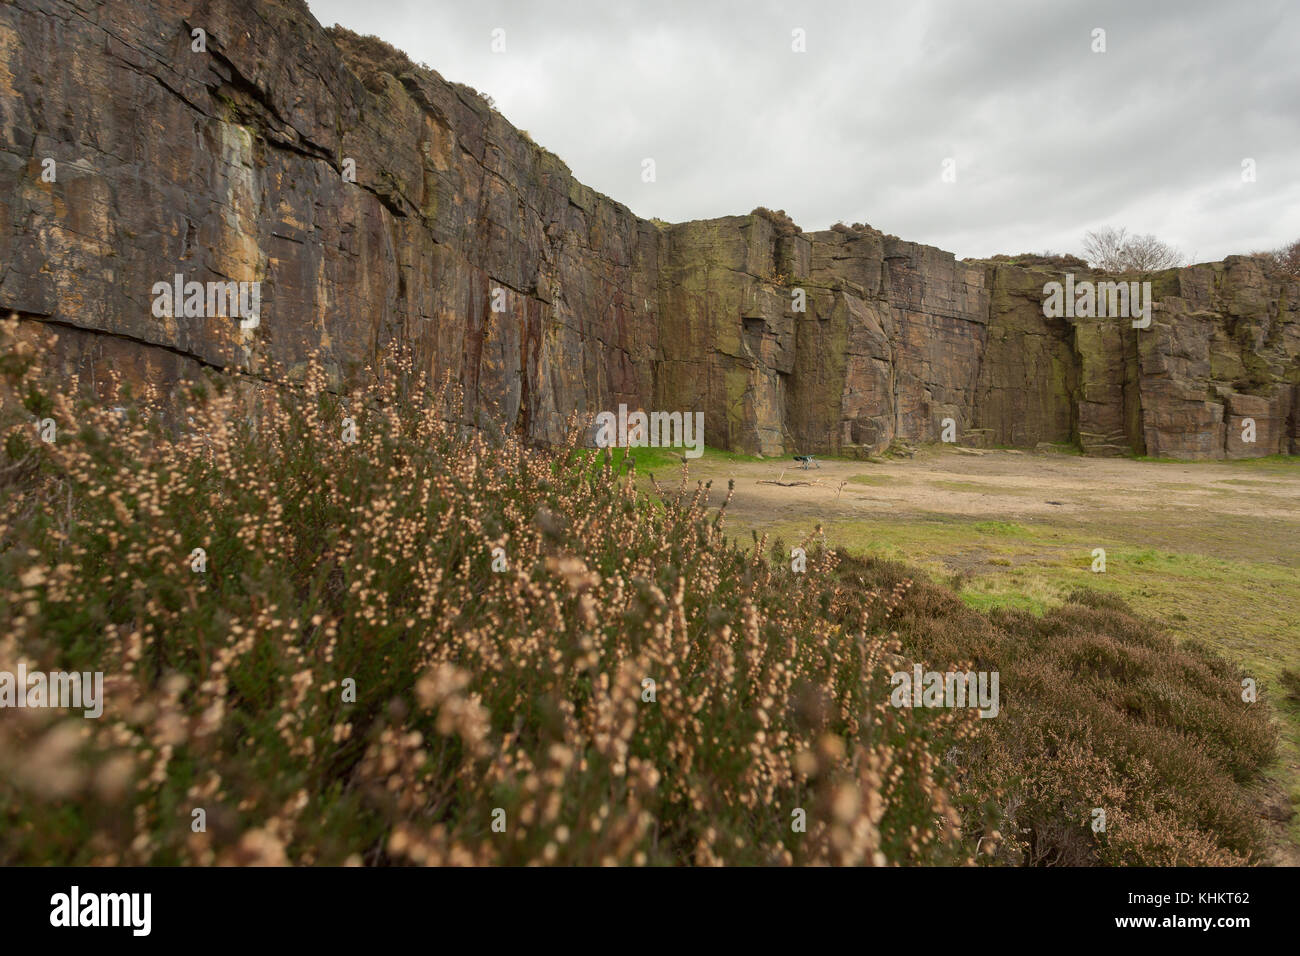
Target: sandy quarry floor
{"type": "Point", "coordinates": [1010, 486]}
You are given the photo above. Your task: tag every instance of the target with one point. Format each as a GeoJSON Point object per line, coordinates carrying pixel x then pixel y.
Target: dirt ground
{"type": "Point", "coordinates": [1008, 485]}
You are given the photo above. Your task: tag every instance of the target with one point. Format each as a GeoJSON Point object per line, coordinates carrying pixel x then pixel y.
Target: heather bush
{"type": "Point", "coordinates": [490, 686]}
{"type": "Point", "coordinates": [1100, 711]}
{"type": "Point", "coordinates": [785, 226]}
{"type": "Point", "coordinates": [400, 640]}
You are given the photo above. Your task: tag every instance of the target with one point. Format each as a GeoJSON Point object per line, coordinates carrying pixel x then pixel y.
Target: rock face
{"type": "Point", "coordinates": [1223, 347]}
{"type": "Point", "coordinates": [380, 206]}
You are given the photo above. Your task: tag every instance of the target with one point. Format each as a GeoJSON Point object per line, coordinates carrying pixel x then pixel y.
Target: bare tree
{"type": "Point", "coordinates": [1288, 257]}
{"type": "Point", "coordinates": [1114, 250]}
{"type": "Point", "coordinates": [1103, 248]}
{"type": "Point", "coordinates": [1285, 259]}
{"type": "Point", "coordinates": [1147, 254]}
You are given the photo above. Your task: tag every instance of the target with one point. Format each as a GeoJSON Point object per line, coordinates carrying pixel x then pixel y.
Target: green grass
{"type": "Point", "coordinates": [873, 480]}
{"type": "Point", "coordinates": [1058, 449]}
{"type": "Point", "coordinates": [659, 460]}
{"type": "Point", "coordinates": [1249, 482]}
{"type": "Point", "coordinates": [999, 527]}
{"type": "Point", "coordinates": [985, 602]}
{"type": "Point", "coordinates": [1282, 464]}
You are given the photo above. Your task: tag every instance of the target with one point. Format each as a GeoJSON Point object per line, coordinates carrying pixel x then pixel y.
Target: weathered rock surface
{"type": "Point", "coordinates": [1223, 347]}
{"type": "Point", "coordinates": [235, 162]}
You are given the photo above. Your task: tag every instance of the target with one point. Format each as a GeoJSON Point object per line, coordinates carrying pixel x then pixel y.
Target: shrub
{"type": "Point", "coordinates": [858, 229]}
{"type": "Point", "coordinates": [476, 690]}
{"type": "Point", "coordinates": [1290, 681]}
{"type": "Point", "coordinates": [1046, 258]}
{"type": "Point", "coordinates": [371, 51]}
{"type": "Point", "coordinates": [1100, 710]}
{"type": "Point", "coordinates": [785, 226]}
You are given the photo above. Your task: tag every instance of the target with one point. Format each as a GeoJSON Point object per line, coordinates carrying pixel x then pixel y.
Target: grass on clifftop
{"type": "Point", "coordinates": [432, 646]}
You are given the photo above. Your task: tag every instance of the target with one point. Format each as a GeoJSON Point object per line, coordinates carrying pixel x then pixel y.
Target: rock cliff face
{"type": "Point", "coordinates": [1223, 347]}
{"type": "Point", "coordinates": [380, 206]}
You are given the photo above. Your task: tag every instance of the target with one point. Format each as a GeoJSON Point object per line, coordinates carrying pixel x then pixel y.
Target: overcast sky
{"type": "Point", "coordinates": [1049, 138]}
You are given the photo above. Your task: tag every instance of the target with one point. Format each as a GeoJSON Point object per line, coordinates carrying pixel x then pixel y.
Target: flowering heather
{"type": "Point", "coordinates": [476, 690]}
{"type": "Point", "coordinates": [417, 643]}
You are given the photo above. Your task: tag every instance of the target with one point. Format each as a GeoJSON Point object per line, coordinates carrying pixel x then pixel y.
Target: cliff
{"type": "Point", "coordinates": [380, 206]}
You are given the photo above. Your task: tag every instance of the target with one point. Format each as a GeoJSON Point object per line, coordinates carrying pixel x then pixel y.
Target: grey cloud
{"type": "Point", "coordinates": [1050, 139]}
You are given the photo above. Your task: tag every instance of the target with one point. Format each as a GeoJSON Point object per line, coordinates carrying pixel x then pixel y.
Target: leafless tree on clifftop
{"type": "Point", "coordinates": [1114, 250]}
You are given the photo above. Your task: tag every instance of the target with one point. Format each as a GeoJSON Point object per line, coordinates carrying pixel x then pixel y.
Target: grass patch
{"type": "Point", "coordinates": [872, 480]}
{"type": "Point", "coordinates": [1250, 482]}
{"type": "Point", "coordinates": [985, 601]}
{"type": "Point", "coordinates": [1282, 464]}
{"type": "Point", "coordinates": [658, 460]}
{"type": "Point", "coordinates": [999, 528]}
